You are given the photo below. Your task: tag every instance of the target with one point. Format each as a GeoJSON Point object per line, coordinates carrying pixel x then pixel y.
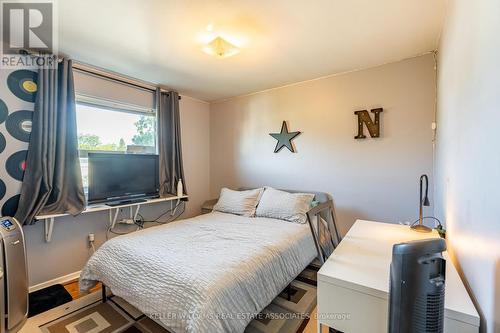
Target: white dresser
{"type": "Point", "coordinates": [353, 284]}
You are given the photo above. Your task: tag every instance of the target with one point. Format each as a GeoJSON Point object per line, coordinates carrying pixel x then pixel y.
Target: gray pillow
{"type": "Point", "coordinates": [238, 202]}
{"type": "Point", "coordinates": [283, 205]}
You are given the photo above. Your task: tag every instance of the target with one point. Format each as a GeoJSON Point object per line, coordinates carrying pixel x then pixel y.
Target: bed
{"type": "Point", "coordinates": [211, 273]}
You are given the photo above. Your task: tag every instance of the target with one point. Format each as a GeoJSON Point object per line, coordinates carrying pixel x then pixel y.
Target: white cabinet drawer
{"type": "Point", "coordinates": [350, 311]}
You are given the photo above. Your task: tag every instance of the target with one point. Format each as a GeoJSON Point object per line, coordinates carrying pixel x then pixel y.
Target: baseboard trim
{"type": "Point", "coordinates": [60, 280]}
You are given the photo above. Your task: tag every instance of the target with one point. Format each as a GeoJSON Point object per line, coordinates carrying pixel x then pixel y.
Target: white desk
{"type": "Point", "coordinates": [353, 284]}
{"type": "Point", "coordinates": [49, 219]}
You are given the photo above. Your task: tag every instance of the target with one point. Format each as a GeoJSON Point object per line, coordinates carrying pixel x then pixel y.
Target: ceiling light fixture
{"type": "Point", "coordinates": [221, 48]}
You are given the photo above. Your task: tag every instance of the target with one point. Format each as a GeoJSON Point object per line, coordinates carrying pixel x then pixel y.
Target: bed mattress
{"type": "Point", "coordinates": [211, 273]}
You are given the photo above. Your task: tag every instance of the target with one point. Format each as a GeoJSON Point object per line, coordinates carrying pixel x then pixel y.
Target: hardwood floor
{"type": "Point", "coordinates": [73, 289]}
{"type": "Point", "coordinates": [312, 325]}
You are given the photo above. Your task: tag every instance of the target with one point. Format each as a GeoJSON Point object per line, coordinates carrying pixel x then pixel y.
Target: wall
{"type": "Point", "coordinates": [68, 251]}
{"type": "Point", "coordinates": [468, 162]}
{"type": "Point", "coordinates": [373, 179]}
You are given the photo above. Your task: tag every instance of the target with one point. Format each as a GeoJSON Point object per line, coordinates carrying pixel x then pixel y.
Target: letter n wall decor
{"type": "Point", "coordinates": [372, 125]}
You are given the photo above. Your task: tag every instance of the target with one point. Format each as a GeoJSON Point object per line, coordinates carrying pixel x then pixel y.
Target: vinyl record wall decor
{"type": "Point", "coordinates": [17, 96]}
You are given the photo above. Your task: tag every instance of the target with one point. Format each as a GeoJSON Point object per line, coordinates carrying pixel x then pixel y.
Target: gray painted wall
{"type": "Point", "coordinates": [373, 179]}
{"type": "Point", "coordinates": [468, 160]}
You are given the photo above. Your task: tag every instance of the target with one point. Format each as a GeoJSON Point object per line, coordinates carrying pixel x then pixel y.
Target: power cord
{"type": "Point", "coordinates": [174, 217]}
{"type": "Point", "coordinates": [428, 217]}
{"type": "Point", "coordinates": [109, 230]}
{"type": "Point", "coordinates": [173, 209]}
{"type": "Point", "coordinates": [440, 229]}
{"type": "Point", "coordinates": [142, 221]}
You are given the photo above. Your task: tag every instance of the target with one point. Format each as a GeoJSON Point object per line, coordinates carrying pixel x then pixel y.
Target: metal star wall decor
{"type": "Point", "coordinates": [284, 138]}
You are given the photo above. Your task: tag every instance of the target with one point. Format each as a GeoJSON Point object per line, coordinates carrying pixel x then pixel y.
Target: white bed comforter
{"type": "Point", "coordinates": [211, 273]}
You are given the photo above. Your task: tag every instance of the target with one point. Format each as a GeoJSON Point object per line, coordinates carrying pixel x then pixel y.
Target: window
{"type": "Point", "coordinates": [113, 114]}
{"type": "Point", "coordinates": [103, 129]}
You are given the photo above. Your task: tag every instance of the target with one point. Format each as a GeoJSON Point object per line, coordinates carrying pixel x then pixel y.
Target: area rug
{"type": "Point", "coordinates": [97, 318]}
{"type": "Point", "coordinates": [283, 315]}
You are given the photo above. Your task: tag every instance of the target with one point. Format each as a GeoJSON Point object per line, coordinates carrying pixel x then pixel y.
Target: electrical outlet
{"type": "Point", "coordinates": [91, 239]}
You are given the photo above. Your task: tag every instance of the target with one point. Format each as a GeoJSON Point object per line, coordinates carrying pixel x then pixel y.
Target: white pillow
{"type": "Point", "coordinates": [283, 205]}
{"type": "Point", "coordinates": [238, 202]}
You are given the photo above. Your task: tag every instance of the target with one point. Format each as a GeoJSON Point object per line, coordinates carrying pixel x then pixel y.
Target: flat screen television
{"type": "Point", "coordinates": [122, 177]}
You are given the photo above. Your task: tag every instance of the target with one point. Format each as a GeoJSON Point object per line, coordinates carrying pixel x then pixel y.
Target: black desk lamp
{"type": "Point", "coordinates": [420, 227]}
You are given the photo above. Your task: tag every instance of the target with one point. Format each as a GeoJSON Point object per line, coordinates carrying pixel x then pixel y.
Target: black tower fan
{"type": "Point", "coordinates": [416, 301]}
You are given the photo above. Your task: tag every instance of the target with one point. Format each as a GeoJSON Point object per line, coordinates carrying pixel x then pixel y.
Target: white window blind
{"type": "Point", "coordinates": [93, 89]}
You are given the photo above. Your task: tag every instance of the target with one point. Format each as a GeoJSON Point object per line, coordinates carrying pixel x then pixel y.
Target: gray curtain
{"type": "Point", "coordinates": [52, 180]}
{"type": "Point", "coordinates": [169, 142]}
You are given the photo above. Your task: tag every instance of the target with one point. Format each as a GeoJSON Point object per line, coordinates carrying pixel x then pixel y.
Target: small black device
{"type": "Point", "coordinates": [417, 287]}
{"type": "Point", "coordinates": [116, 178]}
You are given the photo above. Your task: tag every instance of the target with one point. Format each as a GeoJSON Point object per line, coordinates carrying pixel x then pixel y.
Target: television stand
{"type": "Point", "coordinates": [125, 202]}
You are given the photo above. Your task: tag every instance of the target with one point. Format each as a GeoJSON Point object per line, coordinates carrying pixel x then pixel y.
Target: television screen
{"type": "Point", "coordinates": [118, 177]}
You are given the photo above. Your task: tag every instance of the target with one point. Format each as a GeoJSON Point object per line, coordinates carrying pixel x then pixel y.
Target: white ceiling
{"type": "Point", "coordinates": [282, 41]}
